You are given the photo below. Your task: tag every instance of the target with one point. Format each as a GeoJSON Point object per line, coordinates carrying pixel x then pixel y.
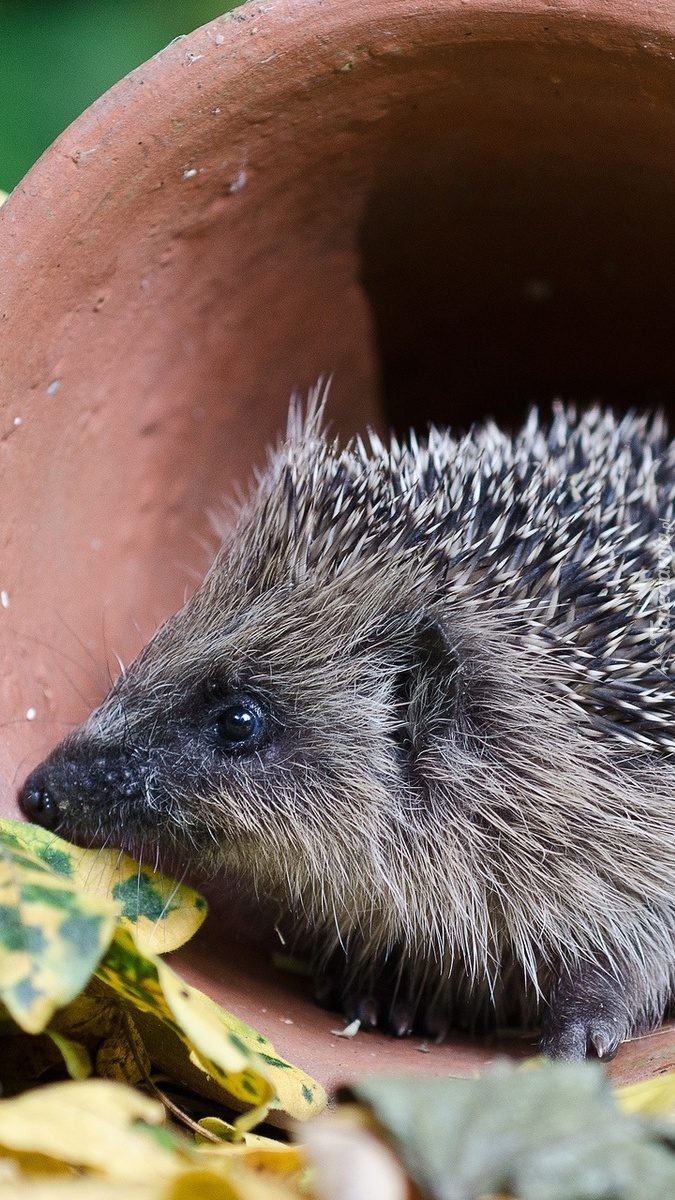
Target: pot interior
{"type": "Point", "coordinates": [518, 245]}
{"type": "Point", "coordinates": [454, 212]}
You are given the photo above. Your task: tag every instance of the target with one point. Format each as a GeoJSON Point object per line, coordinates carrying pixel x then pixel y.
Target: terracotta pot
{"type": "Point", "coordinates": [451, 206]}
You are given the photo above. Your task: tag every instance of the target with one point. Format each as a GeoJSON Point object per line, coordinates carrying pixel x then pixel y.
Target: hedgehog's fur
{"type": "Point", "coordinates": [463, 651]}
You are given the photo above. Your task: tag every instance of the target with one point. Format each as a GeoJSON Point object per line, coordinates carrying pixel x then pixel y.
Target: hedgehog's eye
{"type": "Point", "coordinates": [240, 726]}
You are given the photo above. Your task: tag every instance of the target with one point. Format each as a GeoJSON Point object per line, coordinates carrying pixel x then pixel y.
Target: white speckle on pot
{"type": "Point", "coordinates": [287, 1021]}
{"type": "Point", "coordinates": [190, 173]}
{"type": "Point", "coordinates": [215, 112]}
{"type": "Point", "coordinates": [31, 714]}
{"type": "Point", "coordinates": [4, 598]}
{"type": "Point", "coordinates": [96, 543]}
{"type": "Point", "coordinates": [191, 58]}
{"type": "Point", "coordinates": [238, 183]}
{"type": "Point", "coordinates": [53, 387]}
{"type": "Point", "coordinates": [145, 283]}
{"type": "Point", "coordinates": [219, 39]}
{"type": "Point", "coordinates": [18, 421]}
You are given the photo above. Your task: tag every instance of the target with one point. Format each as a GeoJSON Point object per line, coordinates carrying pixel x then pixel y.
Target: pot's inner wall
{"type": "Point", "coordinates": [521, 243]}
{"type": "Point", "coordinates": [505, 208]}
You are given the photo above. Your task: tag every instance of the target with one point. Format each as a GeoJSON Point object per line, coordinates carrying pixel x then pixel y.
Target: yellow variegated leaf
{"type": "Point", "coordinates": [260, 1153]}
{"type": "Point", "coordinates": [231, 1181]}
{"type": "Point", "coordinates": [653, 1097]}
{"type": "Point", "coordinates": [51, 934]}
{"type": "Point", "coordinates": [296, 1093]}
{"type": "Point", "coordinates": [144, 981]}
{"type": "Point", "coordinates": [222, 1129]}
{"type": "Point", "coordinates": [27, 1169]}
{"type": "Point", "coordinates": [88, 1188]}
{"type": "Point", "coordinates": [92, 1124]}
{"type": "Point", "coordinates": [216, 1046]}
{"type": "Point", "coordinates": [161, 913]}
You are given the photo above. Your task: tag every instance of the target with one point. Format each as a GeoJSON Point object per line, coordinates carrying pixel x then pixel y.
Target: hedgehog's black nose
{"type": "Point", "coordinates": [38, 800]}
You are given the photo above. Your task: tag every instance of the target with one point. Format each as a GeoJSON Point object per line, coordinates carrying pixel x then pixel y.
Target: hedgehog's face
{"type": "Point", "coordinates": [287, 718]}
{"type": "Point", "coordinates": [266, 736]}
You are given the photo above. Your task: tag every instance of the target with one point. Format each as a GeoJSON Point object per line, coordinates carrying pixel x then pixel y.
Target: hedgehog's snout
{"type": "Point", "coordinates": [70, 790]}
{"type": "Point", "coordinates": [38, 799]}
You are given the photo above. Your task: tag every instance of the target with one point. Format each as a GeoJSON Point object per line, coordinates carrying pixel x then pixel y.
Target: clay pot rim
{"type": "Point", "coordinates": [572, 22]}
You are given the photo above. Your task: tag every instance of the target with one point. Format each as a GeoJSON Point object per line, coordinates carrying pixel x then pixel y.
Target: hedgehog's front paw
{"type": "Point", "coordinates": [379, 995]}
{"type": "Point", "coordinates": [589, 1013]}
{"type": "Point", "coordinates": [574, 1039]}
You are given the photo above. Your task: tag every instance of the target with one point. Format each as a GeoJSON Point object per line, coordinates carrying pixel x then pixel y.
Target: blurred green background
{"type": "Point", "coordinates": [56, 56]}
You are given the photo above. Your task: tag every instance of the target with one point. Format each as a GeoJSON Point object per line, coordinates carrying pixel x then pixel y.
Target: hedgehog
{"type": "Point", "coordinates": [424, 700]}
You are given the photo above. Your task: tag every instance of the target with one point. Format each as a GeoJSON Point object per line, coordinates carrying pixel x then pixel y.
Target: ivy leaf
{"type": "Point", "coordinates": [192, 1037]}
{"type": "Point", "coordinates": [93, 1124]}
{"type": "Point", "coordinates": [52, 935]}
{"type": "Point", "coordinates": [119, 1005]}
{"type": "Point", "coordinates": [161, 913]}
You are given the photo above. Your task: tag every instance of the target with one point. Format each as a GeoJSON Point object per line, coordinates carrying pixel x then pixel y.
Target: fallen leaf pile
{"type": "Point", "coordinates": [84, 994]}
{"type": "Point", "coordinates": [87, 1005]}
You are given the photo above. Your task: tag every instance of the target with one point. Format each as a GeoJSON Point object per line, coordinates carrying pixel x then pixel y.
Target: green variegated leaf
{"type": "Point", "coordinates": [52, 935]}
{"type": "Point", "coordinates": [161, 913]}
{"type": "Point", "coordinates": [149, 985]}
{"type": "Point", "coordinates": [296, 1093]}
{"type": "Point", "coordinates": [93, 1125]}
{"type": "Point", "coordinates": [59, 926]}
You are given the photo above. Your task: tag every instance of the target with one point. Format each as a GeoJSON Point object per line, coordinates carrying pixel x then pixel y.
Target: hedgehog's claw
{"type": "Point", "coordinates": [368, 1012]}
{"type": "Point", "coordinates": [382, 997]}
{"type": "Point", "coordinates": [579, 1040]}
{"type": "Point", "coordinates": [604, 1040]}
{"type": "Point", "coordinates": [589, 1014]}
{"type": "Point", "coordinates": [401, 1018]}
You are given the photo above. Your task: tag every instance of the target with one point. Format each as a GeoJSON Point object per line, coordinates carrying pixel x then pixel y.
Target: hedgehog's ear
{"type": "Point", "coordinates": [428, 687]}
